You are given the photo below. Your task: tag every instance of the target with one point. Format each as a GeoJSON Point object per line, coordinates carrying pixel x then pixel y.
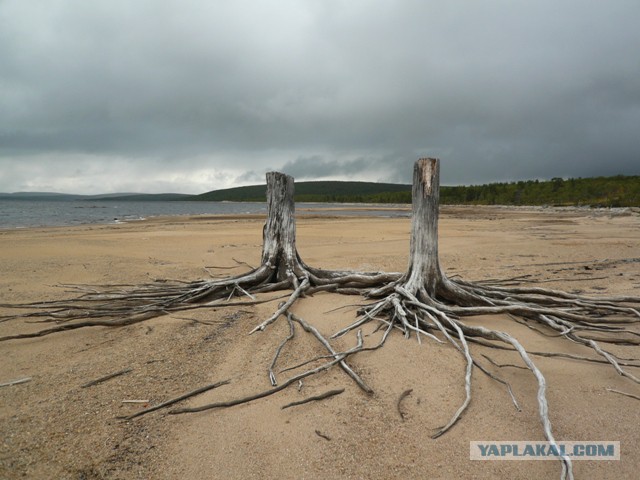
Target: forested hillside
{"type": "Point", "coordinates": [618, 191]}
{"type": "Point", "coordinates": [321, 191]}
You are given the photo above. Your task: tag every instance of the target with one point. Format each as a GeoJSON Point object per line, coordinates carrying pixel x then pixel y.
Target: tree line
{"type": "Point", "coordinates": [618, 191]}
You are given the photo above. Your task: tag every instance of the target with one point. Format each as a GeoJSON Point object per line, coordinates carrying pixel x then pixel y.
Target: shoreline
{"type": "Point", "coordinates": [345, 211]}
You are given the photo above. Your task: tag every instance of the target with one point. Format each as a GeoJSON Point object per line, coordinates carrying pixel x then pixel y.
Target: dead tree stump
{"type": "Point", "coordinates": [279, 235]}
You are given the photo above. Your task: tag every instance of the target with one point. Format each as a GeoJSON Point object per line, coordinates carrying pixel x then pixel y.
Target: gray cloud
{"type": "Point", "coordinates": [191, 96]}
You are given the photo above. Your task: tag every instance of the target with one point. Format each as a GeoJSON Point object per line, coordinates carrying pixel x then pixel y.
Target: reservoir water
{"type": "Point", "coordinates": [38, 213]}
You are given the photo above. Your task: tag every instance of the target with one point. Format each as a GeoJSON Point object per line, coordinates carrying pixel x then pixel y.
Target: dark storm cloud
{"type": "Point", "coordinates": [201, 95]}
{"type": "Point", "coordinates": [396, 167]}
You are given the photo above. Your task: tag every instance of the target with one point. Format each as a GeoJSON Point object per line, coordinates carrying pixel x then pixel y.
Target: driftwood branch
{"type": "Point", "coordinates": [168, 403]}
{"type": "Point", "coordinates": [279, 388]}
{"type": "Point", "coordinates": [403, 395]}
{"type": "Point", "coordinates": [322, 435]}
{"type": "Point", "coordinates": [16, 382]}
{"type": "Point", "coordinates": [105, 378]}
{"type": "Point", "coordinates": [322, 396]}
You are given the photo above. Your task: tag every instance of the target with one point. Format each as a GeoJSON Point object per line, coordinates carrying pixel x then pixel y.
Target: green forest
{"type": "Point", "coordinates": [319, 191]}
{"type": "Point", "coordinates": [618, 191]}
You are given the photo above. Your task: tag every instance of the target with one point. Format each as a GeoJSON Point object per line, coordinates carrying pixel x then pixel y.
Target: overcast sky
{"type": "Point", "coordinates": [190, 96]}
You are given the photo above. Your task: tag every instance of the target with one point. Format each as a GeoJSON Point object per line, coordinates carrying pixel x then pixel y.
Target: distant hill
{"type": "Point", "coordinates": [618, 191]}
{"type": "Point", "coordinates": [42, 196]}
{"type": "Point", "coordinates": [322, 191]}
{"type": "Point", "coordinates": [144, 197]}
{"type": "Point", "coordinates": [124, 197]}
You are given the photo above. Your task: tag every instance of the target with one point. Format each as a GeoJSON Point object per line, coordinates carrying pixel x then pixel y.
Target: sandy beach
{"type": "Point", "coordinates": [51, 427]}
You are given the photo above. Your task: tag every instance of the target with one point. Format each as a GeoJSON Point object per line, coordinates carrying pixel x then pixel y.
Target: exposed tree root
{"type": "Point", "coordinates": [265, 393]}
{"type": "Point", "coordinates": [630, 395]}
{"type": "Point", "coordinates": [281, 269]}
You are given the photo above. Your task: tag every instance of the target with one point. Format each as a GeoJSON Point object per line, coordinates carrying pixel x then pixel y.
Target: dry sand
{"type": "Point", "coordinates": [52, 428]}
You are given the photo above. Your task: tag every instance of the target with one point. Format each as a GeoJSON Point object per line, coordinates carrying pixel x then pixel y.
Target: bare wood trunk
{"type": "Point", "coordinates": [423, 274]}
{"type": "Point", "coordinates": [279, 235]}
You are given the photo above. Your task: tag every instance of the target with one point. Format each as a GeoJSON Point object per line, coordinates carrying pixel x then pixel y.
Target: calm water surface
{"type": "Point", "coordinates": [37, 213]}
